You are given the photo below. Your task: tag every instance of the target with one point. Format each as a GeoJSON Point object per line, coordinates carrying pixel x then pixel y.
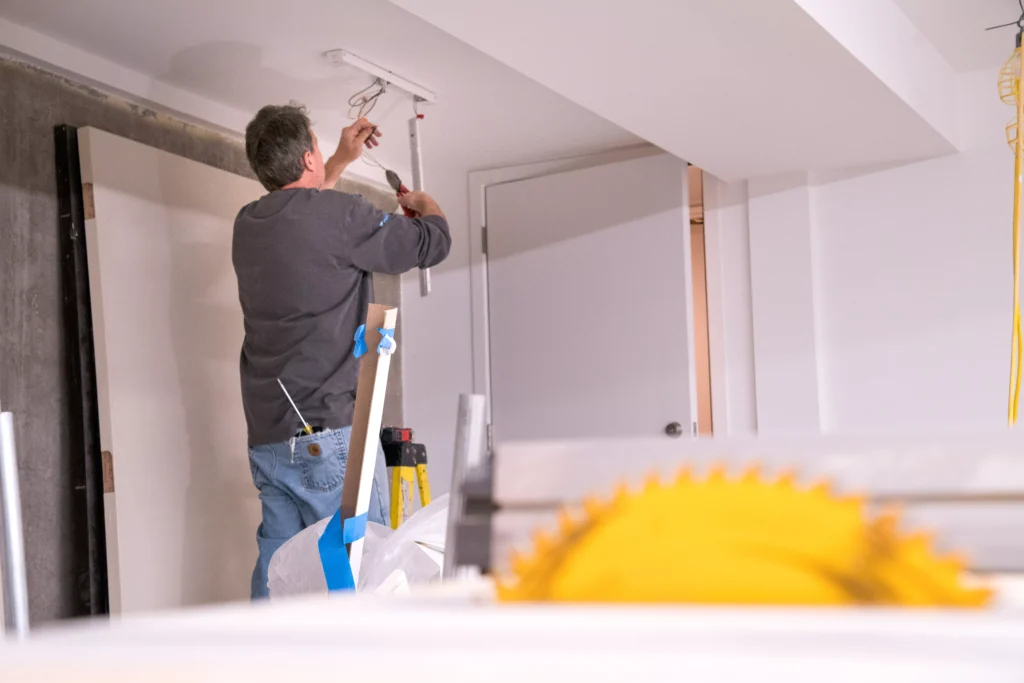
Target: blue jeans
{"type": "Point", "coordinates": [300, 483]}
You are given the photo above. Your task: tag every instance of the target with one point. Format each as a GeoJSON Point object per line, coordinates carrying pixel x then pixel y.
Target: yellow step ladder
{"type": "Point", "coordinates": [407, 464]}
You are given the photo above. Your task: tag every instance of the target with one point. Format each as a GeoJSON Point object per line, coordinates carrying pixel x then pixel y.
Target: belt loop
{"type": "Point", "coordinates": [291, 443]}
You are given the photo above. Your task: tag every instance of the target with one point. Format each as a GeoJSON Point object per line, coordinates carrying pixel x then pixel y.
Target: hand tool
{"type": "Point", "coordinates": [305, 425]}
{"type": "Point", "coordinates": [400, 190]}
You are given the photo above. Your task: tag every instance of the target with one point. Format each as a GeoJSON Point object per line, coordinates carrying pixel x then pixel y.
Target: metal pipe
{"type": "Point", "coordinates": [15, 587]}
{"type": "Point", "coordinates": [417, 185]}
{"type": "Point", "coordinates": [470, 427]}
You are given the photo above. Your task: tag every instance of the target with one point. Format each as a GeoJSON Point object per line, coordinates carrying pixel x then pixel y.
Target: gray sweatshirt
{"type": "Point", "coordinates": [304, 260]}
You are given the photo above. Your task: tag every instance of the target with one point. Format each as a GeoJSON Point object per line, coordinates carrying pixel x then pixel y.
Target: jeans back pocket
{"type": "Point", "coordinates": [322, 458]}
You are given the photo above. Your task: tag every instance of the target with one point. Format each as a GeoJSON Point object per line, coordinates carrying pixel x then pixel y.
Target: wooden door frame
{"type": "Point", "coordinates": [479, 181]}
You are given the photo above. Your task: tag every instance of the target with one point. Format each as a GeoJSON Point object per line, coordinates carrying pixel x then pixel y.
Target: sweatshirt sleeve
{"type": "Point", "coordinates": [393, 243]}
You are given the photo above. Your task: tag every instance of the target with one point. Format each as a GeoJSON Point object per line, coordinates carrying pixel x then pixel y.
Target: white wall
{"type": "Point", "coordinates": [882, 297]}
{"type": "Point", "coordinates": [730, 321]}
{"type": "Point", "coordinates": [438, 334]}
{"type": "Point", "coordinates": [915, 282]}
{"type": "Point", "coordinates": [862, 300]}
{"type": "Point", "coordinates": [783, 301]}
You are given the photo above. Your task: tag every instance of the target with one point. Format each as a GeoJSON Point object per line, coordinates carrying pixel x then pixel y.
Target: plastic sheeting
{"type": "Point", "coordinates": [393, 560]}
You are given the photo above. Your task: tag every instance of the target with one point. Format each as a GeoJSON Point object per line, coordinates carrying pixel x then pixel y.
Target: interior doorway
{"type": "Point", "coordinates": [701, 348]}
{"type": "Point", "coordinates": [588, 285]}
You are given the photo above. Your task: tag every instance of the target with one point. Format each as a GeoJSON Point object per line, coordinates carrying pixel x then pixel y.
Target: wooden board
{"type": "Point", "coordinates": [180, 507]}
{"type": "Point", "coordinates": [366, 422]}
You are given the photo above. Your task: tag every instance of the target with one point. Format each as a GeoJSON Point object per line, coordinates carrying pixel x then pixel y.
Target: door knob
{"type": "Point", "coordinates": [674, 429]}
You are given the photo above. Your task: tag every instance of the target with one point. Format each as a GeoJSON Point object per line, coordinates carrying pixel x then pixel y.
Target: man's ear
{"type": "Point", "coordinates": [309, 161]}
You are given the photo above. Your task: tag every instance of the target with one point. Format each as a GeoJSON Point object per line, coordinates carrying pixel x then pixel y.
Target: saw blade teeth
{"type": "Point", "coordinates": [566, 522]}
{"type": "Point", "coordinates": [592, 506]}
{"type": "Point", "coordinates": [621, 493]}
{"type": "Point", "coordinates": [787, 478]}
{"type": "Point", "coordinates": [888, 518]}
{"type": "Point", "coordinates": [652, 482]}
{"type": "Point", "coordinates": [717, 473]}
{"type": "Point", "coordinates": [920, 540]}
{"type": "Point", "coordinates": [954, 562]}
{"type": "Point", "coordinates": [684, 475]}
{"type": "Point", "coordinates": [505, 589]}
{"type": "Point", "coordinates": [820, 487]}
{"type": "Point", "coordinates": [751, 474]}
{"type": "Point", "coordinates": [520, 562]}
{"type": "Point", "coordinates": [542, 542]}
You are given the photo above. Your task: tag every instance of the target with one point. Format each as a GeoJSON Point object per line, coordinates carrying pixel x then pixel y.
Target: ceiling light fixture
{"type": "Point", "coordinates": [394, 81]}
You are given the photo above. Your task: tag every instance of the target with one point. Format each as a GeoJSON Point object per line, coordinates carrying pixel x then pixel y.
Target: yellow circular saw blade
{"type": "Point", "coordinates": [735, 540]}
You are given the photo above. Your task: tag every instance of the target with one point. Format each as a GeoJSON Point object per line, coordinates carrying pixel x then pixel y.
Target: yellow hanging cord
{"type": "Point", "coordinates": [1017, 339]}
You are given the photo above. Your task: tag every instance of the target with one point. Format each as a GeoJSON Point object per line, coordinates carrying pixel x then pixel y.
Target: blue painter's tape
{"type": "Point", "coordinates": [354, 528]}
{"type": "Point", "coordinates": [360, 340]}
{"type": "Point", "coordinates": [334, 554]}
{"type": "Point", "coordinates": [384, 220]}
{"type": "Point", "coordinates": [386, 345]}
{"type": "Point", "coordinates": [387, 340]}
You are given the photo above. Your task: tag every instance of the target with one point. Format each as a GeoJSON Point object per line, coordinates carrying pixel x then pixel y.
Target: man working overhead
{"type": "Point", "coordinates": [304, 255]}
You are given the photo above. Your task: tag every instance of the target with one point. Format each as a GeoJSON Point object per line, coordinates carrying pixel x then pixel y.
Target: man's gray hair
{"type": "Point", "coordinates": [276, 141]}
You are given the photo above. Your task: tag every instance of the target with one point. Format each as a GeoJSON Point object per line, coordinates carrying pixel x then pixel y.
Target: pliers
{"type": "Point", "coordinates": [400, 189]}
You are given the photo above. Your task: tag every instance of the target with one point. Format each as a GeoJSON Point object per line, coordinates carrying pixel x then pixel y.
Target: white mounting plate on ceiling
{"type": "Point", "coordinates": [344, 57]}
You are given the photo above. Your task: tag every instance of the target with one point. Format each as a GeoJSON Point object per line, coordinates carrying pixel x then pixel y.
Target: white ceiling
{"type": "Point", "coordinates": [742, 88]}
{"type": "Point", "coordinates": [957, 29]}
{"type": "Point", "coordinates": [246, 53]}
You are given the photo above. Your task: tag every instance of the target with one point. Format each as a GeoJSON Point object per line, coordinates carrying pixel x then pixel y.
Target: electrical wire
{"type": "Point", "coordinates": [1017, 338]}
{"type": "Point", "coordinates": [369, 159]}
{"type": "Point", "coordinates": [361, 104]}
{"type": "Point", "coordinates": [365, 100]}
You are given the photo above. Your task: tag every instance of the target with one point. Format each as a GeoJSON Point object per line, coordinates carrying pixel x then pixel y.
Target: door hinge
{"type": "Point", "coordinates": [483, 239]}
{"type": "Point", "coordinates": [490, 438]}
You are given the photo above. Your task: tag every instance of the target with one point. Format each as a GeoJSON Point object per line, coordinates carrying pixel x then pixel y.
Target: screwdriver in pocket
{"type": "Point", "coordinates": [306, 427]}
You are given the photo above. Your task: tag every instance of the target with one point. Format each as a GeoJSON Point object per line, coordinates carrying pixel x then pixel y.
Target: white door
{"type": "Point", "coordinates": [590, 290]}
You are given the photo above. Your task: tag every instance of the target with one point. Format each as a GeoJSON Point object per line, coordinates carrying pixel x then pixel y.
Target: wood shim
{"type": "Point", "coordinates": [107, 462]}
{"type": "Point", "coordinates": [366, 422]}
{"type": "Point", "coordinates": [88, 202]}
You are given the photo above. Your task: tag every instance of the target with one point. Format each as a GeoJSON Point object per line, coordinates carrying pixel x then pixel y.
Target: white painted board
{"type": "Point", "coordinates": [466, 639]}
{"type": "Point", "coordinates": [168, 329]}
{"type": "Point", "coordinates": [589, 280]}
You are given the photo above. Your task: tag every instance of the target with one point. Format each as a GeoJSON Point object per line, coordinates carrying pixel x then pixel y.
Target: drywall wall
{"type": "Point", "coordinates": [438, 338]}
{"type": "Point", "coordinates": [781, 273]}
{"type": "Point", "coordinates": [882, 296]}
{"type": "Point", "coordinates": [167, 344]}
{"type": "Point", "coordinates": [915, 286]}
{"type": "Point", "coordinates": [32, 351]}
{"type": "Point", "coordinates": [730, 317]}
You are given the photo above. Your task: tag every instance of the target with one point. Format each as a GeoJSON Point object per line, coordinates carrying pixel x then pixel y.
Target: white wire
{"type": "Point", "coordinates": [369, 159]}
{"type": "Point", "coordinates": [366, 101]}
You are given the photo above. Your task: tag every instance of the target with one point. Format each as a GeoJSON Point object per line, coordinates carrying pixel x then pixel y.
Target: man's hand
{"type": "Point", "coordinates": [421, 203]}
{"type": "Point", "coordinates": [354, 138]}
{"type": "Point", "coordinates": [360, 134]}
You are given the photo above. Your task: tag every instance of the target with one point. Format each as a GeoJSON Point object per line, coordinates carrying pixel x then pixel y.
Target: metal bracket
{"type": "Point", "coordinates": [416, 145]}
